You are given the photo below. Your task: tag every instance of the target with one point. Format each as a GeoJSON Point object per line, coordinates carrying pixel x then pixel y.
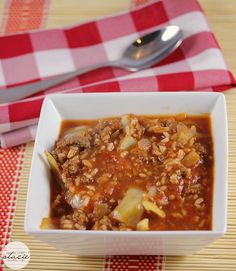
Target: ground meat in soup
{"type": "Point", "coordinates": [133, 173]}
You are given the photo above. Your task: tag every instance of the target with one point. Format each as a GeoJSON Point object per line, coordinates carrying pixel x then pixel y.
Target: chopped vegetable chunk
{"type": "Point", "coordinates": [130, 209]}
{"type": "Point", "coordinates": [143, 225]}
{"type": "Point", "coordinates": [150, 206]}
{"type": "Point", "coordinates": [126, 142]}
{"type": "Point", "coordinates": [191, 159]}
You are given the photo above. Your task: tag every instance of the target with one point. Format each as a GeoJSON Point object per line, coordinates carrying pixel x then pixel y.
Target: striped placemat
{"type": "Point", "coordinates": [14, 173]}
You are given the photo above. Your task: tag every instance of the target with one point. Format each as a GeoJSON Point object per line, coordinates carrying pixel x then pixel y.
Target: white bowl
{"type": "Point", "coordinates": [91, 106]}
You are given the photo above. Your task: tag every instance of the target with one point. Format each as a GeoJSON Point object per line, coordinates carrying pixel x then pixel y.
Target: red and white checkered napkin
{"type": "Point", "coordinates": [197, 65]}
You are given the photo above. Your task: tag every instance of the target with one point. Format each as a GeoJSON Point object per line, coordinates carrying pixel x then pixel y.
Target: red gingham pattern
{"type": "Point", "coordinates": [18, 136]}
{"type": "Point", "coordinates": [197, 65]}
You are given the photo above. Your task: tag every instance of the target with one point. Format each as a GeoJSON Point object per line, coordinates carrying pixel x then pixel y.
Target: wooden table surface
{"type": "Point", "coordinates": [221, 255]}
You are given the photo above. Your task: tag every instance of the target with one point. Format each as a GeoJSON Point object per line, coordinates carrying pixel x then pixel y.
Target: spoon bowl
{"type": "Point", "coordinates": [151, 48]}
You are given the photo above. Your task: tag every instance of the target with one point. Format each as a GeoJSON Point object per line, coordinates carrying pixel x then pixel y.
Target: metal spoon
{"type": "Point", "coordinates": [141, 54]}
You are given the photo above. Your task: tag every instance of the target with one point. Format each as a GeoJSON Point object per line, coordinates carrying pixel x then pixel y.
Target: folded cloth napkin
{"type": "Point", "coordinates": [197, 64]}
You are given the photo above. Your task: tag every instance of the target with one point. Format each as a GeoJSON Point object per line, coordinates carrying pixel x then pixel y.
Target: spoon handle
{"type": "Point", "coordinates": [17, 93]}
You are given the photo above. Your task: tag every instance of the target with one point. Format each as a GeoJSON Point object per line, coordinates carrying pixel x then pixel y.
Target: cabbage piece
{"type": "Point", "coordinates": [143, 225]}
{"type": "Point", "coordinates": [125, 122]}
{"type": "Point", "coordinates": [55, 168]}
{"type": "Point", "coordinates": [150, 206]}
{"type": "Point", "coordinates": [53, 163]}
{"type": "Point", "coordinates": [126, 143]}
{"type": "Point", "coordinates": [130, 209]}
{"type": "Point", "coordinates": [76, 131]}
{"type": "Point", "coordinates": [184, 133]}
